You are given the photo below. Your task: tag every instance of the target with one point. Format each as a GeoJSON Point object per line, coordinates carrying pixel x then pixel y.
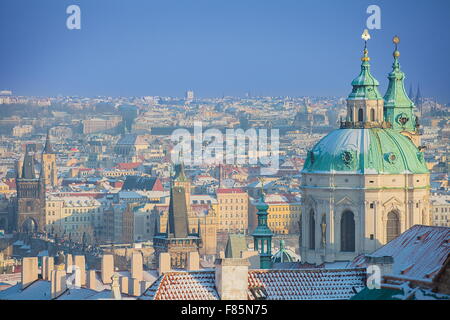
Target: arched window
{"type": "Point", "coordinates": [372, 114]}
{"type": "Point", "coordinates": [393, 225]}
{"type": "Point", "coordinates": [348, 232]}
{"type": "Point", "coordinates": [312, 230]}
{"type": "Point", "coordinates": [360, 115]}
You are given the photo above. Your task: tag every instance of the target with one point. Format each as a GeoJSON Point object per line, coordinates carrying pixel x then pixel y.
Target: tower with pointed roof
{"type": "Point", "coordinates": [49, 169]}
{"type": "Point", "coordinates": [262, 236]}
{"type": "Point", "coordinates": [30, 201]}
{"type": "Point", "coordinates": [177, 240]}
{"type": "Point", "coordinates": [398, 107]}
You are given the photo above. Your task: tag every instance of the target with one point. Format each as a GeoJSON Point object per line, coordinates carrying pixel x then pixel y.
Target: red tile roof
{"type": "Point", "coordinates": [313, 284]}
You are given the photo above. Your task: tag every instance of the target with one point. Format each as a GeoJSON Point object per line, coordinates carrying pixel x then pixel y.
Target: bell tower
{"type": "Point", "coordinates": [49, 170]}
{"type": "Point", "coordinates": [365, 103]}
{"type": "Point", "coordinates": [398, 107]}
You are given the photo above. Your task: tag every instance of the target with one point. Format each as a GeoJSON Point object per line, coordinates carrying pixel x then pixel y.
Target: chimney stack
{"type": "Point", "coordinates": [124, 285]}
{"type": "Point", "coordinates": [164, 263]}
{"type": "Point", "coordinates": [58, 283]}
{"type": "Point", "coordinates": [47, 267]}
{"type": "Point", "coordinates": [29, 271]}
{"type": "Point", "coordinates": [135, 287]}
{"type": "Point", "coordinates": [193, 263]}
{"type": "Point", "coordinates": [107, 268]}
{"type": "Point", "coordinates": [91, 280]}
{"type": "Point", "coordinates": [136, 266]}
{"type": "Point", "coordinates": [231, 277]}
{"type": "Point", "coordinates": [80, 263]}
{"type": "Point", "coordinates": [69, 263]}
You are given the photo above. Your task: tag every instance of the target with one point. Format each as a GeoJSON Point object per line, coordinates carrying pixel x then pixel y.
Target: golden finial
{"type": "Point", "coordinates": [396, 41]}
{"type": "Point", "coordinates": [365, 36]}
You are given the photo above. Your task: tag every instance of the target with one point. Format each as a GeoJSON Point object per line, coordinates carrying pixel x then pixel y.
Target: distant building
{"type": "Point", "coordinates": [440, 210]}
{"type": "Point", "coordinates": [232, 210]}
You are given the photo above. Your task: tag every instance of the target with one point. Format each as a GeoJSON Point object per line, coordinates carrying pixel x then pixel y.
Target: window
{"type": "Point", "coordinates": [360, 115]}
{"type": "Point", "coordinates": [312, 230]}
{"type": "Point", "coordinates": [348, 232]}
{"type": "Point", "coordinates": [372, 114]}
{"type": "Point", "coordinates": [392, 226]}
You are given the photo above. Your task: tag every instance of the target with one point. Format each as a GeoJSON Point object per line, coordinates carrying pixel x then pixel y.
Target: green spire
{"type": "Point", "coordinates": [365, 86]}
{"type": "Point", "coordinates": [398, 107]}
{"type": "Point", "coordinates": [262, 235]}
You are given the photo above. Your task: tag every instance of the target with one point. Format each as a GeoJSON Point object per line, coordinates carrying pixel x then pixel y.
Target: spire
{"type": "Point", "coordinates": [365, 86]}
{"type": "Point", "coordinates": [178, 226]}
{"type": "Point", "coordinates": [398, 107]}
{"type": "Point", "coordinates": [28, 167]}
{"type": "Point", "coordinates": [180, 175]}
{"type": "Point", "coordinates": [262, 236]}
{"type": "Point", "coordinates": [48, 146]}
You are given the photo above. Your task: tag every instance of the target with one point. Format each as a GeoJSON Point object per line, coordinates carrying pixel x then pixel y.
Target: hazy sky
{"type": "Point", "coordinates": [265, 47]}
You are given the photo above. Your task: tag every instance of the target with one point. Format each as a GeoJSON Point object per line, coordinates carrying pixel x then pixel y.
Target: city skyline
{"type": "Point", "coordinates": [215, 49]}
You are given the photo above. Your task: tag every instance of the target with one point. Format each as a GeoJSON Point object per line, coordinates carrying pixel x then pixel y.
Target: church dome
{"type": "Point", "coordinates": [284, 255]}
{"type": "Point", "coordinates": [365, 151]}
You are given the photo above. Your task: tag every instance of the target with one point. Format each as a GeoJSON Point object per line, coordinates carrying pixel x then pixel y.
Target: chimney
{"type": "Point", "coordinates": [69, 263]}
{"type": "Point", "coordinates": [193, 261]}
{"type": "Point", "coordinates": [136, 265]}
{"type": "Point", "coordinates": [47, 267]}
{"type": "Point", "coordinates": [115, 287]}
{"type": "Point", "coordinates": [58, 283]}
{"type": "Point", "coordinates": [164, 263]}
{"type": "Point", "coordinates": [91, 280]}
{"type": "Point", "coordinates": [144, 285]}
{"type": "Point", "coordinates": [107, 268]}
{"type": "Point", "coordinates": [80, 263]}
{"type": "Point", "coordinates": [231, 277]}
{"type": "Point", "coordinates": [29, 271]}
{"type": "Point", "coordinates": [124, 285]}
{"type": "Point", "coordinates": [135, 287]}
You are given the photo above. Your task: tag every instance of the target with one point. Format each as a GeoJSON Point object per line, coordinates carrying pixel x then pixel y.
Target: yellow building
{"type": "Point", "coordinates": [232, 210]}
{"type": "Point", "coordinates": [284, 213]}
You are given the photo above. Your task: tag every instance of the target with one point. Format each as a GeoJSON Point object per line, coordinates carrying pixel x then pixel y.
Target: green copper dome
{"type": "Point", "coordinates": [365, 86]}
{"type": "Point", "coordinates": [284, 255]}
{"type": "Point", "coordinates": [365, 151]}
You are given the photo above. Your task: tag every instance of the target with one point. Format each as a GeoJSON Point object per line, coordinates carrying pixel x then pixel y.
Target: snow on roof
{"type": "Point", "coordinates": [183, 286]}
{"type": "Point", "coordinates": [38, 290]}
{"type": "Point", "coordinates": [312, 284]}
{"type": "Point", "coordinates": [419, 252]}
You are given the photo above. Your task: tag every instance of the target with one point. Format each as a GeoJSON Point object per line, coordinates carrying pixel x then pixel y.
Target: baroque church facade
{"type": "Point", "coordinates": [367, 182]}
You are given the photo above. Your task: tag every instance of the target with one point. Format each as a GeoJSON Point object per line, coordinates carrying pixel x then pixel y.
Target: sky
{"type": "Point", "coordinates": [218, 47]}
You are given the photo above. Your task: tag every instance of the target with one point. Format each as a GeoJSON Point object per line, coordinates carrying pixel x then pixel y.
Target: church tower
{"type": "Point", "coordinates": [49, 170]}
{"type": "Point", "coordinates": [398, 107]}
{"type": "Point", "coordinates": [177, 240]}
{"type": "Point", "coordinates": [30, 198]}
{"type": "Point", "coordinates": [365, 103]}
{"type": "Point", "coordinates": [262, 236]}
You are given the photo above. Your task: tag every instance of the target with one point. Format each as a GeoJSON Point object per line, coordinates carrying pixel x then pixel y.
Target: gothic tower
{"type": "Point", "coordinates": [49, 170]}
{"type": "Point", "coordinates": [30, 198]}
